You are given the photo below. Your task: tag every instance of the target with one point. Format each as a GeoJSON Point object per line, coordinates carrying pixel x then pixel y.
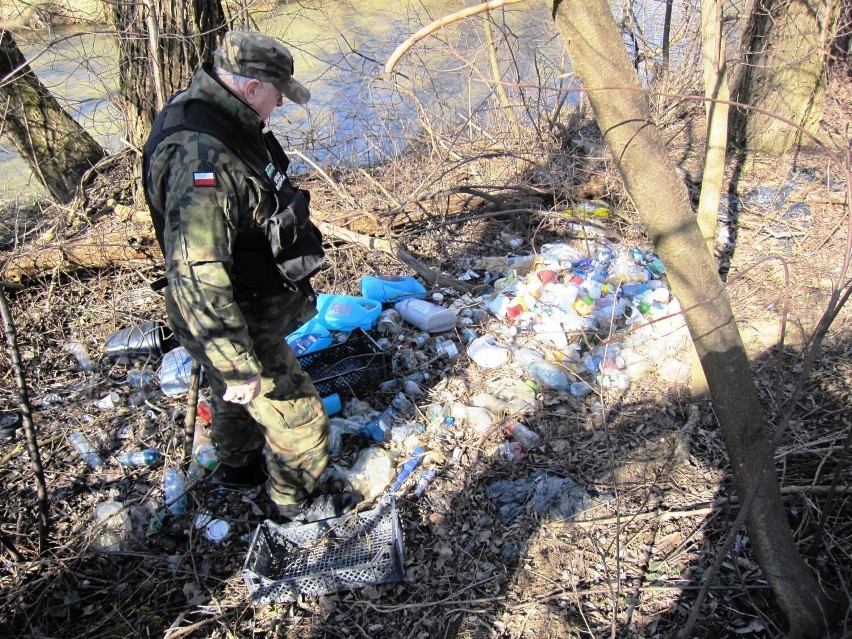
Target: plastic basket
{"type": "Point", "coordinates": [344, 368]}
{"type": "Point", "coordinates": [326, 556]}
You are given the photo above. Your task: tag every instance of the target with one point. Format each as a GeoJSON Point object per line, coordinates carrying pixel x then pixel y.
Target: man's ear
{"type": "Point", "coordinates": [251, 89]}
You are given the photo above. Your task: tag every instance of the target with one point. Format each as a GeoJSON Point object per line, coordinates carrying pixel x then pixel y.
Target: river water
{"type": "Point", "coordinates": [356, 115]}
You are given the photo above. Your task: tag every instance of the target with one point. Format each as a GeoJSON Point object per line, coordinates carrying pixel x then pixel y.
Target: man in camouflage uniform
{"type": "Point", "coordinates": [226, 303]}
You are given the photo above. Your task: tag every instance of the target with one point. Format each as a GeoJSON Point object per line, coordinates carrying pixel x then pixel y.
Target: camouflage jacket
{"type": "Point", "coordinates": [209, 198]}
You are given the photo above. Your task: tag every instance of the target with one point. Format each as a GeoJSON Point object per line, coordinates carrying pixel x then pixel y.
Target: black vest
{"type": "Point", "coordinates": [254, 268]}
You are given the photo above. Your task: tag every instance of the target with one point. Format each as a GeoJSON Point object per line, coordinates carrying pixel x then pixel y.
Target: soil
{"type": "Point", "coordinates": [650, 461]}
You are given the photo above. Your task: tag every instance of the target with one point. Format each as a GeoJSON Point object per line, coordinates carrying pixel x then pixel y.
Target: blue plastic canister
{"type": "Point", "coordinates": [311, 336]}
{"type": "Point", "coordinates": [391, 288]}
{"type": "Point", "coordinates": [346, 313]}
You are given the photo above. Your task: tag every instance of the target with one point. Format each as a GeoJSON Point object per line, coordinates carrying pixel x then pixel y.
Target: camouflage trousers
{"type": "Point", "coordinates": [286, 422]}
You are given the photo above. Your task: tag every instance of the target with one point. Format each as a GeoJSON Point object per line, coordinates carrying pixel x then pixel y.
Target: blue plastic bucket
{"type": "Point", "coordinates": [391, 288]}
{"type": "Point", "coordinates": [346, 313]}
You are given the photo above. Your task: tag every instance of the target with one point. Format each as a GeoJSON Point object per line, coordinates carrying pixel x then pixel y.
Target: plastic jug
{"type": "Point", "coordinates": [346, 312]}
{"type": "Point", "coordinates": [427, 316]}
{"type": "Point", "coordinates": [392, 288]}
{"type": "Point", "coordinates": [311, 336]}
{"type": "Point", "coordinates": [175, 368]}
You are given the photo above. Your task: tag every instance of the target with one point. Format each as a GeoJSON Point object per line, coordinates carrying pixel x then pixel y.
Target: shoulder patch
{"type": "Point", "coordinates": [204, 179]}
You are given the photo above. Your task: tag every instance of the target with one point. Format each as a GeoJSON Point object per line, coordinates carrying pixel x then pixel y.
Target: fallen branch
{"type": "Point", "coordinates": [395, 250]}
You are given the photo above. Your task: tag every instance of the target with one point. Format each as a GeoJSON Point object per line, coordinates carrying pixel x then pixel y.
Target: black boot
{"type": "Point", "coordinates": [252, 474]}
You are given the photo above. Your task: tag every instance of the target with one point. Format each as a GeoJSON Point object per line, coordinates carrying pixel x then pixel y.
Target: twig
{"type": "Point", "coordinates": [191, 408]}
{"type": "Point", "coordinates": [440, 24]}
{"type": "Point", "coordinates": [180, 632]}
{"type": "Point", "coordinates": [29, 429]}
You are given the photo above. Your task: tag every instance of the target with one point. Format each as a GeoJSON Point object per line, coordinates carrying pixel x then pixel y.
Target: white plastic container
{"type": "Point", "coordinates": [487, 353]}
{"type": "Point", "coordinates": [175, 368]}
{"type": "Point", "coordinates": [427, 316]}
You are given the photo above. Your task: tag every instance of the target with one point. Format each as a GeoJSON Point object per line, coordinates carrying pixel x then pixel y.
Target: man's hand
{"type": "Point", "coordinates": [243, 393]}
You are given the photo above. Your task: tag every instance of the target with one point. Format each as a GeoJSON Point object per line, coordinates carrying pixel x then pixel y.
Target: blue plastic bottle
{"type": "Point", "coordinates": [139, 458]}
{"type": "Point", "coordinates": [379, 429]}
{"type": "Point", "coordinates": [391, 288]}
{"type": "Point", "coordinates": [346, 313]}
{"type": "Point", "coordinates": [311, 336]}
{"type": "Point", "coordinates": [408, 468]}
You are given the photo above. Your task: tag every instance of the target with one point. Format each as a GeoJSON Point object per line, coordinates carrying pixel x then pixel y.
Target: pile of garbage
{"type": "Point", "coordinates": [557, 324]}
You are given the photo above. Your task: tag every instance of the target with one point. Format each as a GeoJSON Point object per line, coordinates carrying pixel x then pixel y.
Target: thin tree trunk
{"type": "Point", "coordinates": [588, 30]}
{"type": "Point", "coordinates": [782, 71]}
{"type": "Point", "coordinates": [57, 149]}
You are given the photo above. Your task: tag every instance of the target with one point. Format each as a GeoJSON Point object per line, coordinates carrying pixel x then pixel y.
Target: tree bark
{"type": "Point", "coordinates": [57, 149]}
{"type": "Point", "coordinates": [588, 31]}
{"type": "Point", "coordinates": [782, 71]}
{"type": "Point", "coordinates": [186, 35]}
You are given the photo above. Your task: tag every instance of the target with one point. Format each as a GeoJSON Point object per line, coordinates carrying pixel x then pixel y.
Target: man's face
{"type": "Point", "coordinates": [264, 98]}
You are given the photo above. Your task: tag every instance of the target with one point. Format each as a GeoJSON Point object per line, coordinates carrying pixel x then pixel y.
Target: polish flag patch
{"type": "Point", "coordinates": [204, 179]}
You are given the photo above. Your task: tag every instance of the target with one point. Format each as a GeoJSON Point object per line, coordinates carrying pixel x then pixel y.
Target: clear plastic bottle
{"type": "Point", "coordinates": [174, 491]}
{"type": "Point", "coordinates": [140, 378]}
{"type": "Point", "coordinates": [139, 458]}
{"type": "Point", "coordinates": [205, 455]}
{"type": "Point", "coordinates": [549, 375]}
{"type": "Point", "coordinates": [85, 449]}
{"type": "Point", "coordinates": [424, 480]}
{"type": "Point", "coordinates": [79, 352]}
{"type": "Point", "coordinates": [524, 436]}
{"type": "Point", "coordinates": [581, 389]}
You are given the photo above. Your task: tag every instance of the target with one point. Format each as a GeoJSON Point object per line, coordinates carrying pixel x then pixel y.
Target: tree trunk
{"type": "Point", "coordinates": [782, 71]}
{"type": "Point", "coordinates": [623, 114]}
{"type": "Point", "coordinates": [186, 35]}
{"type": "Point", "coordinates": [57, 149]}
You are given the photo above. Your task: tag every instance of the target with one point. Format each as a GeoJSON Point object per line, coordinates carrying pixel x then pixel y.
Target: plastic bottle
{"type": "Point", "coordinates": [174, 372]}
{"type": "Point", "coordinates": [513, 451]}
{"type": "Point", "coordinates": [140, 378]}
{"type": "Point", "coordinates": [391, 288]}
{"type": "Point", "coordinates": [79, 352]}
{"type": "Point", "coordinates": [424, 480]}
{"type": "Point", "coordinates": [447, 348]}
{"type": "Point", "coordinates": [401, 403]}
{"type": "Point", "coordinates": [478, 418]}
{"type": "Point", "coordinates": [380, 428]}
{"type": "Point", "coordinates": [389, 322]}
{"type": "Point", "coordinates": [85, 449]}
{"type": "Point", "coordinates": [408, 468]}
{"type": "Point", "coordinates": [116, 526]}
{"type": "Point", "coordinates": [523, 435]}
{"type": "Point", "coordinates": [549, 375]}
{"type": "Point", "coordinates": [581, 389]}
{"type": "Point", "coordinates": [139, 458]}
{"type": "Point", "coordinates": [205, 455]}
{"type": "Point", "coordinates": [427, 316]}
{"type": "Point", "coordinates": [487, 353]}
{"type": "Point", "coordinates": [174, 491]}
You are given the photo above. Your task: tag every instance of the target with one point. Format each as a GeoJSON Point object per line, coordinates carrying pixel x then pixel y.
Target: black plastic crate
{"type": "Point", "coordinates": [344, 368]}
{"type": "Point", "coordinates": [314, 559]}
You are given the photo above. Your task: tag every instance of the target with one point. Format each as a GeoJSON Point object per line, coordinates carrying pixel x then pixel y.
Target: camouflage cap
{"type": "Point", "coordinates": [261, 57]}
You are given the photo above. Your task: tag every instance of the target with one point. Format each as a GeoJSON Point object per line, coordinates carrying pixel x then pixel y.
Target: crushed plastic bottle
{"type": "Point", "coordinates": [371, 473]}
{"type": "Point", "coordinates": [487, 353]}
{"type": "Point", "coordinates": [115, 526]}
{"type": "Point", "coordinates": [478, 418]}
{"type": "Point", "coordinates": [85, 449]}
{"type": "Point", "coordinates": [512, 451]}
